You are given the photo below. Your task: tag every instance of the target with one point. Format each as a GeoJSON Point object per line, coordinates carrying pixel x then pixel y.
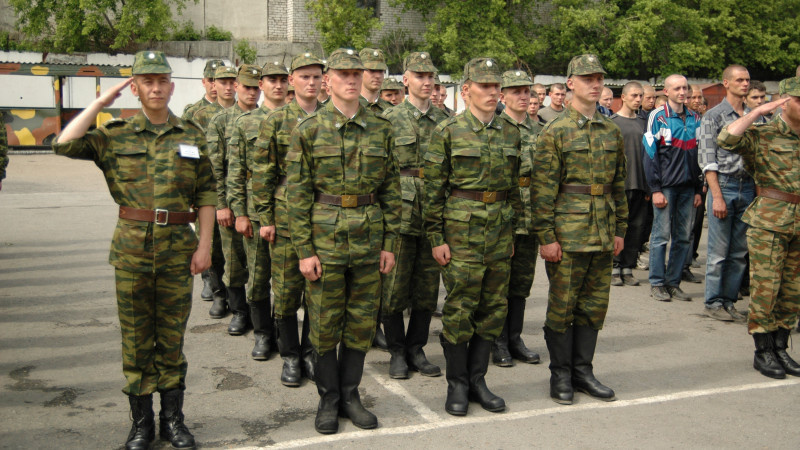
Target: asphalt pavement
{"type": "Point", "coordinates": [682, 380]}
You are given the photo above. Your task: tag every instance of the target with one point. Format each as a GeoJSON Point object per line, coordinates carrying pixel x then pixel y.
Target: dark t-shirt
{"type": "Point", "coordinates": [632, 132]}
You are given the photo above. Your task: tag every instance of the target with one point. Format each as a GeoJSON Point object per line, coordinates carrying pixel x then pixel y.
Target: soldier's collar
{"type": "Point", "coordinates": [141, 123]}
{"type": "Point", "coordinates": [477, 125]}
{"type": "Point", "coordinates": [339, 119]}
{"type": "Point", "coordinates": [580, 119]}
{"type": "Point", "coordinates": [526, 123]}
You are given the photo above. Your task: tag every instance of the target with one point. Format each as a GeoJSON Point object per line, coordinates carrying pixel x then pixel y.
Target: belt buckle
{"type": "Point", "coordinates": [166, 217]}
{"type": "Point", "coordinates": [421, 172]}
{"type": "Point", "coordinates": [597, 189]}
{"type": "Point", "coordinates": [489, 196]}
{"type": "Point", "coordinates": [349, 201]}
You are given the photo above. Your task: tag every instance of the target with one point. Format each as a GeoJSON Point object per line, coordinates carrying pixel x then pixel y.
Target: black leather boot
{"type": "Point", "coordinates": [240, 322]}
{"type": "Point", "coordinates": [780, 340]}
{"type": "Point", "coordinates": [327, 420]}
{"type": "Point", "coordinates": [351, 367]}
{"type": "Point", "coordinates": [206, 294]}
{"type": "Point", "coordinates": [559, 345]}
{"type": "Point", "coordinates": [307, 352]}
{"type": "Point", "coordinates": [289, 348]}
{"type": "Point", "coordinates": [416, 337]}
{"type": "Point", "coordinates": [583, 346]}
{"type": "Point", "coordinates": [263, 329]}
{"type": "Point", "coordinates": [219, 309]}
{"type": "Point", "coordinates": [379, 341]}
{"type": "Point", "coordinates": [765, 360]}
{"type": "Point", "coordinates": [501, 357]}
{"type": "Point", "coordinates": [395, 339]}
{"type": "Point", "coordinates": [457, 375]}
{"type": "Point", "coordinates": [514, 322]}
{"type": "Point", "coordinates": [171, 426]}
{"type": "Point", "coordinates": [143, 431]}
{"type": "Point", "coordinates": [478, 365]}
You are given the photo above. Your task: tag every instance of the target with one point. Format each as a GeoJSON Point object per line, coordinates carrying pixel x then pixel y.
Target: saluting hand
{"type": "Point", "coordinates": [107, 98]}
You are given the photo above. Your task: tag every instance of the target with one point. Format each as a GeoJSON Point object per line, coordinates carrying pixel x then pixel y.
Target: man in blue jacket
{"type": "Point", "coordinates": [674, 178]}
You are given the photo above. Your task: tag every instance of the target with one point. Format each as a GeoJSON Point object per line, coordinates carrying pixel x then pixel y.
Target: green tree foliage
{"type": "Point", "coordinates": [246, 52]}
{"type": "Point", "coordinates": [218, 34]}
{"type": "Point", "coordinates": [96, 25]}
{"type": "Point", "coordinates": [396, 45]}
{"type": "Point", "coordinates": [343, 23]}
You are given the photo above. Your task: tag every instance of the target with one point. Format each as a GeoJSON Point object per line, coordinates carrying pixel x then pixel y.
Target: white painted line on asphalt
{"type": "Point", "coordinates": [454, 422]}
{"type": "Point", "coordinates": [395, 388]}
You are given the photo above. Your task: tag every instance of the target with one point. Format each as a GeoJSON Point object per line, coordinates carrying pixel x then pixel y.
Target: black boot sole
{"type": "Point", "coordinates": [605, 399]}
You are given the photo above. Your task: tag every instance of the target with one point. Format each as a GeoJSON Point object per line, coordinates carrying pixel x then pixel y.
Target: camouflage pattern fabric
{"type": "Point", "coordinates": [579, 287]}
{"type": "Point", "coordinates": [233, 250]}
{"type": "Point", "coordinates": [192, 108]}
{"type": "Point", "coordinates": [150, 61]}
{"type": "Point", "coordinates": [476, 299]}
{"type": "Point", "coordinates": [202, 116]}
{"type": "Point", "coordinates": [241, 153]}
{"type": "Point", "coordinates": [153, 331]}
{"type": "Point", "coordinates": [577, 150]}
{"type": "Point", "coordinates": [343, 307]}
{"type": "Point", "coordinates": [465, 153]}
{"type": "Point", "coordinates": [143, 169]}
{"type": "Point", "coordinates": [269, 201]}
{"type": "Point", "coordinates": [336, 155]}
{"type": "Point", "coordinates": [523, 265]}
{"type": "Point", "coordinates": [378, 107]}
{"type": "Point", "coordinates": [414, 280]}
{"type": "Point", "coordinates": [770, 154]}
{"type": "Point", "coordinates": [3, 149]}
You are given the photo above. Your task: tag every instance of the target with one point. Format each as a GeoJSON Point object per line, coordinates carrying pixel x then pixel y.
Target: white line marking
{"type": "Point", "coordinates": [454, 422]}
{"type": "Point", "coordinates": [395, 388]}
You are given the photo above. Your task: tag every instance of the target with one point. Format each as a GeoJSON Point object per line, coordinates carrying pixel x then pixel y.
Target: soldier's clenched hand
{"type": "Point", "coordinates": [225, 217]}
{"type": "Point", "coordinates": [267, 233]}
{"type": "Point", "coordinates": [311, 268]}
{"type": "Point", "coordinates": [244, 226]}
{"type": "Point", "coordinates": [387, 262]}
{"type": "Point", "coordinates": [551, 252]}
{"type": "Point", "coordinates": [619, 244]}
{"type": "Point", "coordinates": [442, 254]}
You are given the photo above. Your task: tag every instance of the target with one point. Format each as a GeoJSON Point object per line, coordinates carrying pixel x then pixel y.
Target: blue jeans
{"type": "Point", "coordinates": [673, 220]}
{"type": "Point", "coordinates": [727, 242]}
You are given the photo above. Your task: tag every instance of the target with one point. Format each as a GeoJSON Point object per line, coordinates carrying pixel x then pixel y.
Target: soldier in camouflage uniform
{"type": "Point", "coordinates": [414, 282]}
{"type": "Point", "coordinates": [241, 153]}
{"type": "Point", "coordinates": [208, 84]}
{"type": "Point", "coordinates": [440, 96]}
{"type": "Point", "coordinates": [269, 200]}
{"type": "Point", "coordinates": [770, 152]}
{"type": "Point", "coordinates": [393, 91]}
{"type": "Point", "coordinates": [580, 215]}
{"type": "Point", "coordinates": [344, 198]}
{"type": "Point", "coordinates": [472, 200]}
{"type": "Point", "coordinates": [158, 172]}
{"type": "Point", "coordinates": [223, 79]}
{"type": "Point", "coordinates": [374, 73]}
{"type": "Point", "coordinates": [516, 94]}
{"type": "Point", "coordinates": [218, 134]}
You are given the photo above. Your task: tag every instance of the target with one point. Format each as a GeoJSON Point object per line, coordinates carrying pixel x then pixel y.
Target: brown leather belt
{"type": "Point", "coordinates": [524, 181]}
{"type": "Point", "coordinates": [345, 201]}
{"type": "Point", "coordinates": [481, 196]}
{"type": "Point", "coordinates": [419, 173]}
{"type": "Point", "coordinates": [158, 216]}
{"type": "Point", "coordinates": [282, 181]}
{"type": "Point", "coordinates": [590, 189]}
{"type": "Point", "coordinates": [778, 195]}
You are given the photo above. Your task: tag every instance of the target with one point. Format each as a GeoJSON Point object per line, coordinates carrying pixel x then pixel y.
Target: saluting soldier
{"type": "Point", "coordinates": [344, 198]}
{"type": "Point", "coordinates": [580, 215]}
{"type": "Point", "coordinates": [374, 73]}
{"type": "Point", "coordinates": [208, 85]}
{"type": "Point", "coordinates": [157, 170]}
{"type": "Point", "coordinates": [270, 203]}
{"type": "Point", "coordinates": [515, 94]}
{"type": "Point", "coordinates": [241, 153]}
{"type": "Point", "coordinates": [414, 281]}
{"type": "Point", "coordinates": [770, 153]}
{"type": "Point", "coordinates": [218, 134]}
{"type": "Point", "coordinates": [472, 194]}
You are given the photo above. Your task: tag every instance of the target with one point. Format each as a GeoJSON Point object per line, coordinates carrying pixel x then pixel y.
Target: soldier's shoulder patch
{"type": "Point", "coordinates": [190, 123]}
{"type": "Point", "coordinates": [114, 123]}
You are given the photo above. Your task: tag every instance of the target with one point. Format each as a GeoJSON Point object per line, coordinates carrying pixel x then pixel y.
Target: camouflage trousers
{"type": "Point", "coordinates": [153, 312]}
{"type": "Point", "coordinates": [235, 257]}
{"type": "Point", "coordinates": [414, 281]}
{"type": "Point", "coordinates": [476, 299]}
{"type": "Point", "coordinates": [343, 307]}
{"type": "Point", "coordinates": [258, 266]}
{"type": "Point", "coordinates": [579, 286]}
{"type": "Point", "coordinates": [287, 281]}
{"type": "Point", "coordinates": [774, 280]}
{"type": "Point", "coordinates": [523, 265]}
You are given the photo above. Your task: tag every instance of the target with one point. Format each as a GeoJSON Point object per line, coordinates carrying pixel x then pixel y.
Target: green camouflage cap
{"type": "Point", "coordinates": [790, 86]}
{"type": "Point", "coordinates": [150, 61]}
{"type": "Point", "coordinates": [249, 75]}
{"type": "Point", "coordinates": [373, 59]}
{"type": "Point", "coordinates": [226, 72]}
{"type": "Point", "coordinates": [306, 59]}
{"type": "Point", "coordinates": [584, 65]}
{"type": "Point", "coordinates": [436, 80]}
{"type": "Point", "coordinates": [345, 59]}
{"type": "Point", "coordinates": [483, 70]}
{"type": "Point", "coordinates": [419, 62]}
{"type": "Point", "coordinates": [211, 67]}
{"type": "Point", "coordinates": [274, 68]}
{"type": "Point", "coordinates": [390, 84]}
{"type": "Point", "coordinates": [513, 78]}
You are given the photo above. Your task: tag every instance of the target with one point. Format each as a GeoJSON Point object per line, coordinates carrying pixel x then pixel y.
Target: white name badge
{"type": "Point", "coordinates": [189, 151]}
